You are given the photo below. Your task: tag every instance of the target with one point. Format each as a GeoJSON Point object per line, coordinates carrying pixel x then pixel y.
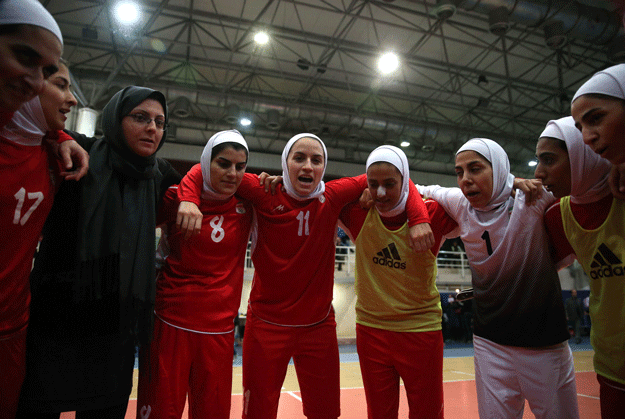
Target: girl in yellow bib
{"type": "Point", "coordinates": [398, 312]}
{"type": "Point", "coordinates": [589, 223]}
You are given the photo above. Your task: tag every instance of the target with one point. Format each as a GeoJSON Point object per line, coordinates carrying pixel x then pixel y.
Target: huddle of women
{"type": "Point", "coordinates": [69, 328]}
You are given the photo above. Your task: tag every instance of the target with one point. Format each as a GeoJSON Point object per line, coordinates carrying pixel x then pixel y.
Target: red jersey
{"type": "Point", "coordinates": [26, 195]}
{"type": "Point", "coordinates": [353, 217]}
{"type": "Point", "coordinates": [293, 251]}
{"type": "Point", "coordinates": [199, 287]}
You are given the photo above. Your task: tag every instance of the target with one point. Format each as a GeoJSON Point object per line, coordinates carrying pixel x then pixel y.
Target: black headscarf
{"type": "Point", "coordinates": [118, 216]}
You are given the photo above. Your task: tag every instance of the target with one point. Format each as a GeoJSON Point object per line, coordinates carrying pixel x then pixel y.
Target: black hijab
{"type": "Point", "coordinates": [118, 217]}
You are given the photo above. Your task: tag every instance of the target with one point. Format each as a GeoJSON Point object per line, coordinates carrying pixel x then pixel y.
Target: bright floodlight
{"type": "Point", "coordinates": [388, 63]}
{"type": "Point", "coordinates": [127, 12]}
{"type": "Point", "coordinates": [245, 121]}
{"type": "Point", "coordinates": [404, 143]}
{"type": "Point", "coordinates": [532, 163]}
{"type": "Point", "coordinates": [261, 38]}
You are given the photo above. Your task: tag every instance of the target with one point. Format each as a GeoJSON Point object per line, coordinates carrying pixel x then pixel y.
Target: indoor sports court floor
{"type": "Point", "coordinates": [459, 387]}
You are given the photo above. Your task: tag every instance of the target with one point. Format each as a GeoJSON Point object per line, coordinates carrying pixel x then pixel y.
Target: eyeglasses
{"type": "Point", "coordinates": [140, 118]}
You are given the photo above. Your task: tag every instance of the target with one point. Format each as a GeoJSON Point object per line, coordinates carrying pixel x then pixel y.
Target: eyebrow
{"type": "Point", "coordinates": [230, 161]}
{"type": "Point", "coordinates": [545, 153]}
{"type": "Point", "coordinates": [305, 154]}
{"type": "Point", "coordinates": [469, 164]}
{"type": "Point", "coordinates": [63, 78]}
{"type": "Point", "coordinates": [589, 112]}
{"type": "Point", "coordinates": [148, 113]}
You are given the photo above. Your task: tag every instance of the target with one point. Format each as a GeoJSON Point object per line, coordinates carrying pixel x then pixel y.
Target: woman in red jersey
{"type": "Point", "coordinates": [198, 293]}
{"type": "Point", "coordinates": [290, 312]}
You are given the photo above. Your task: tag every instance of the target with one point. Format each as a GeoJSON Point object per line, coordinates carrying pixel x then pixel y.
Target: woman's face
{"type": "Point", "coordinates": [57, 99]}
{"type": "Point", "coordinates": [305, 163]}
{"type": "Point", "coordinates": [602, 123]}
{"type": "Point", "coordinates": [227, 170]}
{"type": "Point", "coordinates": [27, 57]}
{"type": "Point", "coordinates": [554, 167]}
{"type": "Point", "coordinates": [475, 178]}
{"type": "Point", "coordinates": [143, 139]}
{"type": "Point", "coordinates": [385, 185]}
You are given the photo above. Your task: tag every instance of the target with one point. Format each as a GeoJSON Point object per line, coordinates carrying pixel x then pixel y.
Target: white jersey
{"type": "Point", "coordinates": [516, 286]}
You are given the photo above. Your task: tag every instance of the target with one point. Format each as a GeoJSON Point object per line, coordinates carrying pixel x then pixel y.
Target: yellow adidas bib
{"type": "Point", "coordinates": [396, 287]}
{"type": "Point", "coordinates": [601, 252]}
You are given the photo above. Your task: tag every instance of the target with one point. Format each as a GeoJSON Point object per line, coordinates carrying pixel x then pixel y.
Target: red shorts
{"type": "Point", "coordinates": [416, 357]}
{"type": "Point", "coordinates": [182, 362]}
{"type": "Point", "coordinates": [267, 349]}
{"type": "Point", "coordinates": [611, 397]}
{"type": "Point", "coordinates": [12, 371]}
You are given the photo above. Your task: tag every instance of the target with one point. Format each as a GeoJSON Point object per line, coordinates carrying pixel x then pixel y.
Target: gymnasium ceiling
{"type": "Point", "coordinates": [468, 68]}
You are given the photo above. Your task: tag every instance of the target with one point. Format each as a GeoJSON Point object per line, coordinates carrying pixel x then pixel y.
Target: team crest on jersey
{"type": "Point", "coordinates": [605, 264]}
{"type": "Point", "coordinates": [240, 209]}
{"type": "Point", "coordinates": [389, 256]}
{"type": "Point", "coordinates": [322, 198]}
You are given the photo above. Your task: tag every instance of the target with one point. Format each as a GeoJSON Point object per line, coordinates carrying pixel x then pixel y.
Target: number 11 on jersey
{"type": "Point", "coordinates": [303, 223]}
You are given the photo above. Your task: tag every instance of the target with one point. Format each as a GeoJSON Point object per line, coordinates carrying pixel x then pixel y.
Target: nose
{"type": "Point", "coordinates": [588, 135]}
{"type": "Point", "coordinates": [151, 125]}
{"type": "Point", "coordinates": [71, 100]}
{"type": "Point", "coordinates": [464, 178]}
{"type": "Point", "coordinates": [307, 165]}
{"type": "Point", "coordinates": [538, 172]}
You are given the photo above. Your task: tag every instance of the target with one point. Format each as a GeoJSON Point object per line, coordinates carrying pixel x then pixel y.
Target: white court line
{"type": "Point", "coordinates": [586, 395]}
{"type": "Point", "coordinates": [294, 396]}
{"type": "Point", "coordinates": [462, 372]}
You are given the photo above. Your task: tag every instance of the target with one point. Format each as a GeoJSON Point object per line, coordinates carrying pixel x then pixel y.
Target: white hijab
{"type": "Point", "coordinates": [396, 157]}
{"type": "Point", "coordinates": [28, 125]}
{"type": "Point", "coordinates": [28, 12]}
{"type": "Point", "coordinates": [609, 82]}
{"type": "Point", "coordinates": [589, 171]}
{"type": "Point", "coordinates": [230, 136]}
{"type": "Point", "coordinates": [320, 189]}
{"type": "Point", "coordinates": [503, 180]}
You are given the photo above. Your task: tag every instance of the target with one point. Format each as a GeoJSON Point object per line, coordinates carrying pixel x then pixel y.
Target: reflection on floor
{"type": "Point", "coordinates": [458, 377]}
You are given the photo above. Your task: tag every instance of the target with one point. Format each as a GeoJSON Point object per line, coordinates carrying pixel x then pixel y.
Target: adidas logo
{"type": "Point", "coordinates": [603, 262]}
{"type": "Point", "coordinates": [389, 256]}
{"type": "Point", "coordinates": [279, 208]}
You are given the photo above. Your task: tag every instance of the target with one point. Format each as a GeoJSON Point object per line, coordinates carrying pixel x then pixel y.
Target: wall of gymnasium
{"type": "Point", "coordinates": [345, 297]}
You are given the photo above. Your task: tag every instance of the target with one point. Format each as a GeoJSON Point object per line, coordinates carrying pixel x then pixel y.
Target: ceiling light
{"type": "Point", "coordinates": [388, 63]}
{"type": "Point", "coordinates": [232, 116]}
{"type": "Point", "coordinates": [532, 163]}
{"type": "Point", "coordinates": [405, 143]}
{"type": "Point", "coordinates": [245, 121]}
{"type": "Point", "coordinates": [127, 12]}
{"type": "Point", "coordinates": [273, 119]}
{"type": "Point", "coordinates": [303, 63]}
{"type": "Point", "coordinates": [182, 107]}
{"type": "Point", "coordinates": [261, 38]}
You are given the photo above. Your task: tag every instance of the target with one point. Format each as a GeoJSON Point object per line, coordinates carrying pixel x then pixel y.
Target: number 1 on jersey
{"type": "Point", "coordinates": [489, 247]}
{"type": "Point", "coordinates": [303, 223]}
